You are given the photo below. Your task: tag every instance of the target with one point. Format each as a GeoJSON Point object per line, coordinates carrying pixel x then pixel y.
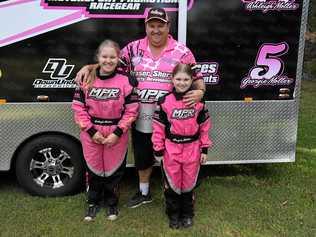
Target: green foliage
{"type": "Point", "coordinates": [310, 67]}
{"type": "Point", "coordinates": [312, 16]}
{"type": "Point", "coordinates": [310, 45]}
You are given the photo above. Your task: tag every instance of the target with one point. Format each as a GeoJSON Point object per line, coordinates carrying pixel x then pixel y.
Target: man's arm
{"type": "Point", "coordinates": [199, 84]}
{"type": "Point", "coordinates": [195, 95]}
{"type": "Point", "coordinates": [83, 74]}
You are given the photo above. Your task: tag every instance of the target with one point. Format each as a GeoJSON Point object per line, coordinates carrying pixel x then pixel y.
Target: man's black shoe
{"type": "Point", "coordinates": [139, 199]}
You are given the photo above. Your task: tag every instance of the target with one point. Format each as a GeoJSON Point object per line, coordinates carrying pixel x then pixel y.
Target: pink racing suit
{"type": "Point", "coordinates": [180, 134]}
{"type": "Point", "coordinates": [109, 106]}
{"type": "Point", "coordinates": [153, 74]}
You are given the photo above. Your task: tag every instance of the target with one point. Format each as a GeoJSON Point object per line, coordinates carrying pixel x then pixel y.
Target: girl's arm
{"type": "Point", "coordinates": [81, 115]}
{"type": "Point", "coordinates": [205, 126]}
{"type": "Point", "coordinates": [129, 116]}
{"type": "Point", "coordinates": [160, 121]}
{"type": "Point", "coordinates": [84, 72]}
{"type": "Point", "coordinates": [130, 112]}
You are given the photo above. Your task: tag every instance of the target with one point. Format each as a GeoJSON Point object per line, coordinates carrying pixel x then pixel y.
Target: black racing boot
{"type": "Point", "coordinates": [174, 222]}
{"type": "Point", "coordinates": [187, 222]}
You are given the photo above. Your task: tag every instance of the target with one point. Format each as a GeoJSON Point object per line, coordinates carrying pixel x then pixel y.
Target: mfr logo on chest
{"type": "Point", "coordinates": [104, 93]}
{"type": "Point", "coordinates": [183, 113]}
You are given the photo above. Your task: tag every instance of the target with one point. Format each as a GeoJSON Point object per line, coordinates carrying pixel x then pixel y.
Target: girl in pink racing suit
{"type": "Point", "coordinates": [104, 109]}
{"type": "Point", "coordinates": [180, 139]}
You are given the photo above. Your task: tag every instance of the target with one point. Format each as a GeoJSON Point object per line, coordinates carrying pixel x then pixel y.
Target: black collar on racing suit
{"type": "Point", "coordinates": [179, 95]}
{"type": "Point", "coordinates": [104, 77]}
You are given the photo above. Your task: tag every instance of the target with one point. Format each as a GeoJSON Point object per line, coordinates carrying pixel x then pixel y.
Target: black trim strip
{"type": "Point", "coordinates": [182, 139]}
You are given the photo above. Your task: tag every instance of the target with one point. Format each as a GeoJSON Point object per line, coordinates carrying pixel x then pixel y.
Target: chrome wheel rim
{"type": "Point", "coordinates": [51, 167]}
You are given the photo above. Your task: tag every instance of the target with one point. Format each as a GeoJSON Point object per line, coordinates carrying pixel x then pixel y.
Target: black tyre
{"type": "Point", "coordinates": [50, 165]}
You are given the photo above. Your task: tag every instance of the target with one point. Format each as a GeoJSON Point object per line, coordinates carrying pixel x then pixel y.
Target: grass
{"type": "Point", "coordinates": [233, 200]}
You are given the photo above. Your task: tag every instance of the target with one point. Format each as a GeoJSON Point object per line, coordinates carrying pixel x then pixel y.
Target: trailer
{"type": "Point", "coordinates": [250, 53]}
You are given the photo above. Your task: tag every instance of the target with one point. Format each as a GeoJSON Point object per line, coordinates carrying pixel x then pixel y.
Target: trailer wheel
{"type": "Point", "coordinates": [50, 165]}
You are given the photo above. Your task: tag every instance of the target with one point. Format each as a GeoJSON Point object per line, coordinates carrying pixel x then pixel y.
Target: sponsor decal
{"type": "Point", "coordinates": [58, 68]}
{"type": "Point", "coordinates": [141, 75]}
{"type": "Point", "coordinates": [58, 71]}
{"type": "Point", "coordinates": [151, 95]}
{"type": "Point", "coordinates": [209, 71]}
{"type": "Point", "coordinates": [97, 93]}
{"type": "Point", "coordinates": [183, 113]}
{"type": "Point", "coordinates": [152, 76]}
{"type": "Point", "coordinates": [110, 8]}
{"type": "Point", "coordinates": [268, 68]}
{"type": "Point", "coordinates": [49, 15]}
{"type": "Point", "coordinates": [159, 76]}
{"type": "Point", "coordinates": [270, 5]}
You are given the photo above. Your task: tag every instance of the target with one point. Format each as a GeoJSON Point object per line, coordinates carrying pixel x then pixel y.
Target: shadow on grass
{"type": "Point", "coordinates": [260, 171]}
{"type": "Point", "coordinates": [8, 181]}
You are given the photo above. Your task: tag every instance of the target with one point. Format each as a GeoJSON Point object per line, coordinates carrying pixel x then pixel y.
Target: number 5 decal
{"type": "Point", "coordinates": [268, 64]}
{"type": "Point", "coordinates": [268, 68]}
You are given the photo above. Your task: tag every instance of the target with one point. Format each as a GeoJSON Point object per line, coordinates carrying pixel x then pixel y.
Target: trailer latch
{"type": "Point", "coordinates": [248, 99]}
